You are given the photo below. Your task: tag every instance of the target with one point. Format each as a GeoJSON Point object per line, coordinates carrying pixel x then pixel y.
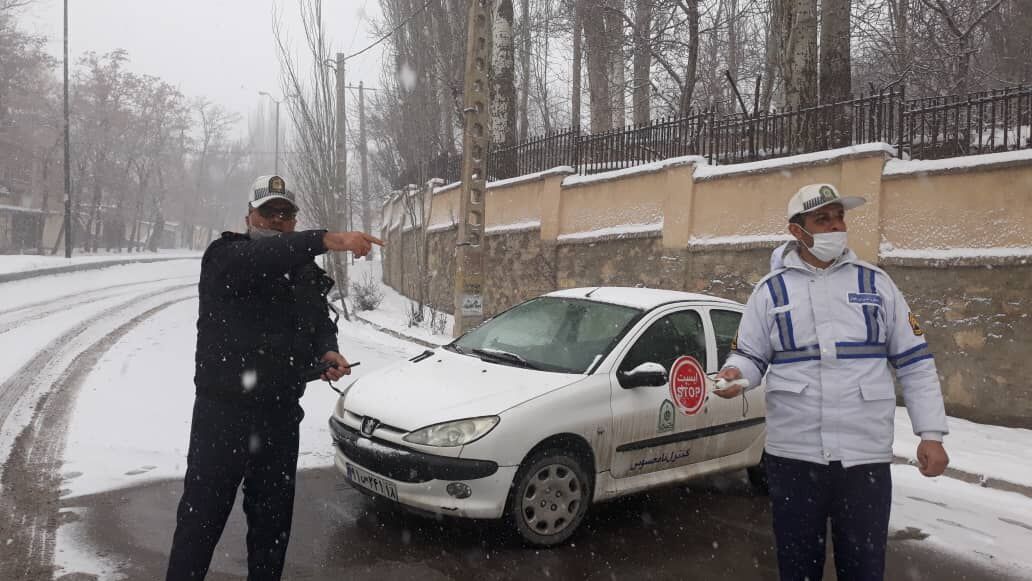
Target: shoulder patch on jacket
{"type": "Point", "coordinates": [918, 331]}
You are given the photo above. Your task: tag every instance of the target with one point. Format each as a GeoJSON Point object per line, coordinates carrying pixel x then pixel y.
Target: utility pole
{"type": "Point", "coordinates": [69, 228]}
{"type": "Point", "coordinates": [363, 151]}
{"type": "Point", "coordinates": [469, 270]}
{"type": "Point", "coordinates": [275, 162]}
{"type": "Point", "coordinates": [341, 195]}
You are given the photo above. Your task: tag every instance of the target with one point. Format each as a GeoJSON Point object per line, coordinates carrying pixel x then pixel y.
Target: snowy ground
{"type": "Point", "coordinates": [28, 262]}
{"type": "Point", "coordinates": [394, 312]}
{"type": "Point", "coordinates": [131, 419]}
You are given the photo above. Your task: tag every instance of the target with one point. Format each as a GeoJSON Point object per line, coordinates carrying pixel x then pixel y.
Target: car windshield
{"type": "Point", "coordinates": [551, 334]}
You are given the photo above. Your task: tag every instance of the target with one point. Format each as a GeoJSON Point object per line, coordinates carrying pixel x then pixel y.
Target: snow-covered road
{"type": "Point", "coordinates": [115, 346]}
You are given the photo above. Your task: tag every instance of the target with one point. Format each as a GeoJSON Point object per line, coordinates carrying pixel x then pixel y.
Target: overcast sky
{"type": "Point", "coordinates": [220, 49]}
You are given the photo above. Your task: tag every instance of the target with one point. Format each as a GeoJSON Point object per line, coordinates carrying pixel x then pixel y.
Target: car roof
{"type": "Point", "coordinates": [641, 298]}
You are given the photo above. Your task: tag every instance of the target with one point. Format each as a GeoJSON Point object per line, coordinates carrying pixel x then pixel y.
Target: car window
{"type": "Point", "coordinates": [673, 336]}
{"type": "Point", "coordinates": [725, 327]}
{"type": "Point", "coordinates": [554, 334]}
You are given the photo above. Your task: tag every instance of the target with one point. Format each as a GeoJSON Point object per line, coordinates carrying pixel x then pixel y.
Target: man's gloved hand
{"type": "Point", "coordinates": [340, 366]}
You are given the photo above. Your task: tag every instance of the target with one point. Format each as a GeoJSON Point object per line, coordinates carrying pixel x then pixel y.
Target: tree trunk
{"type": "Point", "coordinates": [732, 40]}
{"type": "Point", "coordinates": [503, 89]}
{"type": "Point", "coordinates": [525, 73]}
{"type": "Point", "coordinates": [835, 68]}
{"type": "Point", "coordinates": [578, 60]}
{"type": "Point", "coordinates": [642, 60]}
{"type": "Point", "coordinates": [798, 20]}
{"type": "Point", "coordinates": [770, 60]}
{"type": "Point", "coordinates": [598, 65]}
{"type": "Point", "coordinates": [691, 68]}
{"type": "Point", "coordinates": [613, 19]}
{"type": "Point", "coordinates": [901, 37]}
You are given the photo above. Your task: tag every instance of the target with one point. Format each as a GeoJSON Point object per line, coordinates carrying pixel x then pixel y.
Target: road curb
{"type": "Point", "coordinates": [396, 334]}
{"type": "Point", "coordinates": [25, 274]}
{"type": "Point", "coordinates": [979, 479]}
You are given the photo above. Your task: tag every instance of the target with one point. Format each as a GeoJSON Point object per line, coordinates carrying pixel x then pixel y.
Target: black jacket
{"type": "Point", "coordinates": [263, 317]}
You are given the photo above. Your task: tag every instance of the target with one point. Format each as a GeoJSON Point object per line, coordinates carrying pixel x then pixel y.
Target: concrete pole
{"type": "Point", "coordinates": [469, 266]}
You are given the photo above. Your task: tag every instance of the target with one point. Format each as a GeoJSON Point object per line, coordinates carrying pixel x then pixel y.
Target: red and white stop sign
{"type": "Point", "coordinates": [687, 385]}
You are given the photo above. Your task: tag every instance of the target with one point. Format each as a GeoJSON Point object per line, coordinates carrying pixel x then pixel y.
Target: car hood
{"type": "Point", "coordinates": [447, 386]}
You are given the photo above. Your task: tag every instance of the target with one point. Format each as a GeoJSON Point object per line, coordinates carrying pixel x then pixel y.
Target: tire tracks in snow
{"type": "Point", "coordinates": [30, 477]}
{"type": "Point", "coordinates": [13, 318]}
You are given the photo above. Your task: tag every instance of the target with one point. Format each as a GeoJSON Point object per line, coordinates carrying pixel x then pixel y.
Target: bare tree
{"type": "Point", "coordinates": [962, 20]}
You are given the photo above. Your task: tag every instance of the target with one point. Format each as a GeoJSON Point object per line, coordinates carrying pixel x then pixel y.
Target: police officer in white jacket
{"type": "Point", "coordinates": [825, 327]}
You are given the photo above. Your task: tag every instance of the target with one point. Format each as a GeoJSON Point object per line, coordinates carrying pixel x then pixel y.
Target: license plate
{"type": "Point", "coordinates": [370, 482]}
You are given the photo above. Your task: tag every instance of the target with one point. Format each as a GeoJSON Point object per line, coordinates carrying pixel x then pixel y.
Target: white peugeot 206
{"type": "Point", "coordinates": [571, 398]}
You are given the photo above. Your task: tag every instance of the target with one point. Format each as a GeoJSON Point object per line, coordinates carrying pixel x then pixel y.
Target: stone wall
{"type": "Point", "coordinates": [977, 322]}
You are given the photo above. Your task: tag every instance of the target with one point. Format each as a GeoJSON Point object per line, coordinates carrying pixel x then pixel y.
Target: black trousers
{"type": "Point", "coordinates": [229, 444]}
{"type": "Point", "coordinates": [857, 500]}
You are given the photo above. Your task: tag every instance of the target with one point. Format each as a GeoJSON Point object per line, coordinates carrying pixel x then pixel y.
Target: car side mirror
{"type": "Point", "coordinates": [645, 375]}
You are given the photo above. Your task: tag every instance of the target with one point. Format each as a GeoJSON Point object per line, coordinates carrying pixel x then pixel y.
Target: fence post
{"type": "Point", "coordinates": [902, 112]}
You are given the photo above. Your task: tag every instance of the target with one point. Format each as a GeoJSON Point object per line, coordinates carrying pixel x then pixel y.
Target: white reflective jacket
{"type": "Point", "coordinates": [825, 338]}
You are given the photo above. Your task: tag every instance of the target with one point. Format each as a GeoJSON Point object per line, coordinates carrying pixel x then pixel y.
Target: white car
{"type": "Point", "coordinates": [575, 397]}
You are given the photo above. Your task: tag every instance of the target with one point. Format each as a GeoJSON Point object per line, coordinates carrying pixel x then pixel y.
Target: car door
{"type": "Point", "coordinates": [652, 426]}
{"type": "Point", "coordinates": [737, 421]}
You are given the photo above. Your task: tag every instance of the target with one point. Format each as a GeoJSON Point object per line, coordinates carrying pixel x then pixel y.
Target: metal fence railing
{"type": "Point", "coordinates": [984, 122]}
{"type": "Point", "coordinates": [923, 128]}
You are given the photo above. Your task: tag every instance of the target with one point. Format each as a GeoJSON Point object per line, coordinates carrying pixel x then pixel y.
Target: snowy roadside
{"type": "Point", "coordinates": [992, 456]}
{"type": "Point", "coordinates": [394, 311]}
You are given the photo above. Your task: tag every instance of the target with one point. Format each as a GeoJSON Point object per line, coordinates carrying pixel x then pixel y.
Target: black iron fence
{"type": "Point", "coordinates": [924, 128]}
{"type": "Point", "coordinates": [985, 122]}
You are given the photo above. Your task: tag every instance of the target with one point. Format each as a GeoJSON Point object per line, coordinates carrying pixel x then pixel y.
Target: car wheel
{"type": "Point", "coordinates": [551, 495]}
{"type": "Point", "coordinates": [758, 477]}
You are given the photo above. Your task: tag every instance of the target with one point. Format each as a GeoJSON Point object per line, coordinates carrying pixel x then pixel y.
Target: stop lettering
{"type": "Point", "coordinates": [687, 385]}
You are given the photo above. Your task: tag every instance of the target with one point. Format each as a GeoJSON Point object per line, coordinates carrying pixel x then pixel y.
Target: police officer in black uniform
{"type": "Point", "coordinates": [263, 322]}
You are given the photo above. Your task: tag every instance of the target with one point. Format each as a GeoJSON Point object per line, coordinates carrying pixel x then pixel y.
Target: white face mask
{"type": "Point", "coordinates": [827, 246]}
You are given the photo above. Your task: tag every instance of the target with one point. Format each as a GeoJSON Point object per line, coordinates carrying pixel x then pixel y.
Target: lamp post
{"type": "Point", "coordinates": [67, 149]}
{"type": "Point", "coordinates": [277, 102]}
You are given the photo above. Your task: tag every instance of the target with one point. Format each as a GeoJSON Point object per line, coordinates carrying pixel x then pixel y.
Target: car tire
{"type": "Point", "coordinates": [758, 477]}
{"type": "Point", "coordinates": [549, 498]}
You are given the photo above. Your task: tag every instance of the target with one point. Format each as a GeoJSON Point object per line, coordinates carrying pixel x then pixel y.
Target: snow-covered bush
{"type": "Point", "coordinates": [366, 294]}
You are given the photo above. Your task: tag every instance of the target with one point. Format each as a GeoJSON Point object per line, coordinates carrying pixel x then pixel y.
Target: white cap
{"type": "Point", "coordinates": [814, 196]}
{"type": "Point", "coordinates": [267, 188]}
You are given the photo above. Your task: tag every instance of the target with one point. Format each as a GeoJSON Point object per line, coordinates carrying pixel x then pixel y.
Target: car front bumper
{"type": "Point", "coordinates": [421, 480]}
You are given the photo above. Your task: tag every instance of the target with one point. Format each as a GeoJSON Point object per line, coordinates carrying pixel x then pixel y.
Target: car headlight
{"type": "Point", "coordinates": [450, 434]}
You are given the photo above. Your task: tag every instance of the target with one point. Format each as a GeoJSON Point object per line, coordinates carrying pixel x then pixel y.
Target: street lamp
{"type": "Point", "coordinates": [277, 102]}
